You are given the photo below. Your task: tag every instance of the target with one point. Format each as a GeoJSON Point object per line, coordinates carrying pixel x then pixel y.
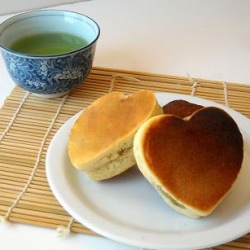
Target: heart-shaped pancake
{"type": "Point", "coordinates": [192, 163]}
{"type": "Point", "coordinates": [101, 140]}
{"type": "Point", "coordinates": [180, 108]}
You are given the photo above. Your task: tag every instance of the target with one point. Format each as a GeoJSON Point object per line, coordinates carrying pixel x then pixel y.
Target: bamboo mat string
{"type": "Point", "coordinates": [3, 219]}
{"type": "Point", "coordinates": [63, 231]}
{"type": "Point", "coordinates": [19, 197]}
{"type": "Point", "coordinates": [126, 77]}
{"type": "Point", "coordinates": [225, 93]}
{"type": "Point", "coordinates": [14, 116]}
{"type": "Point", "coordinates": [195, 84]}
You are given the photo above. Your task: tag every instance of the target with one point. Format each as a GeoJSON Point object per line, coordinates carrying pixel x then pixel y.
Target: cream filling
{"type": "Point", "coordinates": [175, 204]}
{"type": "Point", "coordinates": [113, 164]}
{"type": "Point", "coordinates": [167, 196]}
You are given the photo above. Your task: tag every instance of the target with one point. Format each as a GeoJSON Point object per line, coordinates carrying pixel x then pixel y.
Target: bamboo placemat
{"type": "Point", "coordinates": [28, 124]}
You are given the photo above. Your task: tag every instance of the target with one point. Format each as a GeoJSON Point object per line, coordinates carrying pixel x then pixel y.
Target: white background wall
{"type": "Point", "coordinates": [14, 6]}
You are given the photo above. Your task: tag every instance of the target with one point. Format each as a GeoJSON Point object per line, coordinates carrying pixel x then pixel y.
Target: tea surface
{"type": "Point", "coordinates": [48, 43]}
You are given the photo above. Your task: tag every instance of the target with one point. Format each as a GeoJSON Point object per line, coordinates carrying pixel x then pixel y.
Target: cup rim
{"type": "Point", "coordinates": [27, 55]}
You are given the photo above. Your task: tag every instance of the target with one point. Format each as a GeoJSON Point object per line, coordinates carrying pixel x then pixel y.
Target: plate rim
{"type": "Point", "coordinates": [174, 243]}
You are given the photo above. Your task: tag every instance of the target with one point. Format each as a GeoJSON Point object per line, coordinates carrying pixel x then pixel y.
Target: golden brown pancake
{"type": "Point", "coordinates": [101, 139]}
{"type": "Point", "coordinates": [180, 108]}
{"type": "Point", "coordinates": [192, 163]}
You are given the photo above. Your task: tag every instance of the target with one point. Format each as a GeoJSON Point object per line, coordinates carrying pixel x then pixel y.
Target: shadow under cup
{"type": "Point", "coordinates": [46, 74]}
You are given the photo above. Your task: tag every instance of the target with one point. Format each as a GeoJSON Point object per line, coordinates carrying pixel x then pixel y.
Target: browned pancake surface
{"type": "Point", "coordinates": [180, 108]}
{"type": "Point", "coordinates": [196, 160]}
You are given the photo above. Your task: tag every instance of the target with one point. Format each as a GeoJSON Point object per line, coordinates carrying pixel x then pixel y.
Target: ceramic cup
{"type": "Point", "coordinates": [49, 75]}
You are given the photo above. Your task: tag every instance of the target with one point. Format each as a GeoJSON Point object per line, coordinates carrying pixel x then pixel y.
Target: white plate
{"type": "Point", "coordinates": [129, 210]}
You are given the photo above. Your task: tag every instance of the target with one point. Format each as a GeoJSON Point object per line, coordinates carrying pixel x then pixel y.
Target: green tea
{"type": "Point", "coordinates": [48, 43]}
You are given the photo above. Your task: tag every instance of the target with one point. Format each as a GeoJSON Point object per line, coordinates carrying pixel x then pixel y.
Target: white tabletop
{"type": "Point", "coordinates": [206, 39]}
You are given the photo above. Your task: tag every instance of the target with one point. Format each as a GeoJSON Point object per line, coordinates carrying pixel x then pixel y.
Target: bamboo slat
{"type": "Point", "coordinates": [28, 124]}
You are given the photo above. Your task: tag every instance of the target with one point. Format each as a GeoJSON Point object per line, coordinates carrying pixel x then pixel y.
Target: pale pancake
{"type": "Point", "coordinates": [105, 130]}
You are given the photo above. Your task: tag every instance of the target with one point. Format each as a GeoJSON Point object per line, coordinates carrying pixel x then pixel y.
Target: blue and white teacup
{"type": "Point", "coordinates": [49, 75]}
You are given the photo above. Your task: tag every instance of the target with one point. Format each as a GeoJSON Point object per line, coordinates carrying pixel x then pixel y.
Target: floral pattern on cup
{"type": "Point", "coordinates": [50, 75]}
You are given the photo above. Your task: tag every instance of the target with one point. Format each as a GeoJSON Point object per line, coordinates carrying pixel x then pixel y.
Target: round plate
{"type": "Point", "coordinates": [129, 210]}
